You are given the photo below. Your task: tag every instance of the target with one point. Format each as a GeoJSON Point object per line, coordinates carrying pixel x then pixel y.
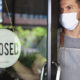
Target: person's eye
{"type": "Point", "coordinates": [69, 7]}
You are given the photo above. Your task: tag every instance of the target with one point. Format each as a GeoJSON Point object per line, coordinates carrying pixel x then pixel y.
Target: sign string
{"type": "Point", "coordinates": [13, 27]}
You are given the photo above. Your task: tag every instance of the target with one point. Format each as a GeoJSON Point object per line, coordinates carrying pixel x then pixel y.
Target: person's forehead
{"type": "Point", "coordinates": [67, 2]}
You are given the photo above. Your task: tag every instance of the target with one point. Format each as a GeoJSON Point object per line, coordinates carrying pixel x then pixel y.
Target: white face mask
{"type": "Point", "coordinates": [69, 20]}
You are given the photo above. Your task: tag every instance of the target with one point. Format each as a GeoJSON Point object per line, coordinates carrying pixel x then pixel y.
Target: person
{"type": "Point", "coordinates": [69, 51]}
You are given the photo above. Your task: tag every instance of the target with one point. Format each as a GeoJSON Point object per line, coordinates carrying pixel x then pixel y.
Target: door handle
{"type": "Point", "coordinates": [45, 73]}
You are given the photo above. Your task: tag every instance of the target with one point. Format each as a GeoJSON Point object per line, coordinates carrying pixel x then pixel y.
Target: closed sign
{"type": "Point", "coordinates": [10, 48]}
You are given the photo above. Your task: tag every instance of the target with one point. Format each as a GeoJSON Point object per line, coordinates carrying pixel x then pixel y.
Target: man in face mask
{"type": "Point", "coordinates": [69, 53]}
{"type": "Point", "coordinates": [69, 17]}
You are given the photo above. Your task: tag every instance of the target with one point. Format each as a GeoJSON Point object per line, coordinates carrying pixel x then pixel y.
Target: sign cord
{"type": "Point", "coordinates": [13, 27]}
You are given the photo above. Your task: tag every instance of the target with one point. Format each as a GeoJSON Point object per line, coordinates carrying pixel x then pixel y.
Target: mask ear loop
{"type": "Point", "coordinates": [13, 27]}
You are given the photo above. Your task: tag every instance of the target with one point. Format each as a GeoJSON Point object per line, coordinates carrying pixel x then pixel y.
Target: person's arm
{"type": "Point", "coordinates": [24, 72]}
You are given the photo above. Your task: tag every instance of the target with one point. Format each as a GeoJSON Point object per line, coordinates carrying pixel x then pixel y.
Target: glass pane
{"type": "Point", "coordinates": [30, 20]}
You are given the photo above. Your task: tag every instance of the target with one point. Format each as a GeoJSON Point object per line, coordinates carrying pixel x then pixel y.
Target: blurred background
{"type": "Point", "coordinates": [28, 19]}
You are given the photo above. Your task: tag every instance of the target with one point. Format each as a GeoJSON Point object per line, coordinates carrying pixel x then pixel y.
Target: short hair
{"type": "Point", "coordinates": [78, 2]}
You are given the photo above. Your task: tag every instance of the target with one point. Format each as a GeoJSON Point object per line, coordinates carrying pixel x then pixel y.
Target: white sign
{"type": "Point", "coordinates": [10, 48]}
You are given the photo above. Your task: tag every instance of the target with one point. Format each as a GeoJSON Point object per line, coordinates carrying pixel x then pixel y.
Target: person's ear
{"type": "Point", "coordinates": [78, 15]}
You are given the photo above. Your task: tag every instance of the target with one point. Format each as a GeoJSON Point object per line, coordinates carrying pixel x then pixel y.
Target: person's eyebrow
{"type": "Point", "coordinates": [67, 6]}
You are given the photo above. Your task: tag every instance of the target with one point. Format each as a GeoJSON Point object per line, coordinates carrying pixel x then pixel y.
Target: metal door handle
{"type": "Point", "coordinates": [57, 74]}
{"type": "Point", "coordinates": [42, 72]}
{"type": "Point", "coordinates": [58, 70]}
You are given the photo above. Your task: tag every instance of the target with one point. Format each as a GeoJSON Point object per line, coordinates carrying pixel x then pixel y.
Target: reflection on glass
{"type": "Point", "coordinates": [33, 54]}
